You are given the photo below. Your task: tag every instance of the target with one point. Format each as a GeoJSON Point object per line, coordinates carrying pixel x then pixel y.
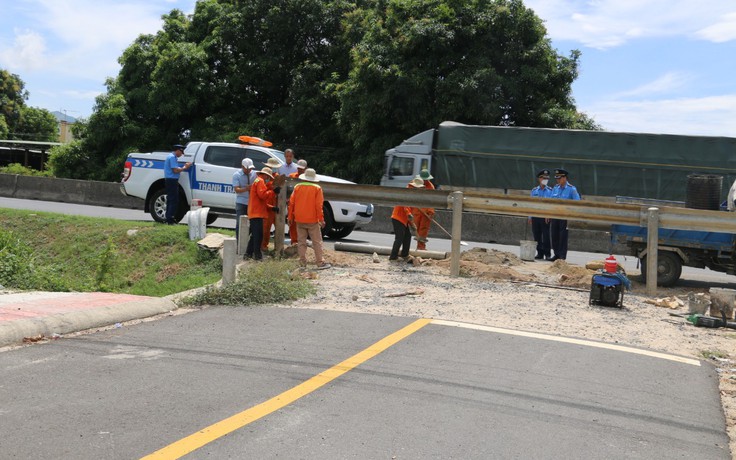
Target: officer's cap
{"type": "Point", "coordinates": [561, 172]}
{"type": "Point", "coordinates": [543, 173]}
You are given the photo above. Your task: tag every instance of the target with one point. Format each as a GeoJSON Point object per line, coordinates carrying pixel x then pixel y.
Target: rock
{"type": "Point", "coordinates": [376, 259]}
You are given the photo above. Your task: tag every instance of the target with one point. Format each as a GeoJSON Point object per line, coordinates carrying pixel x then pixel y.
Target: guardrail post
{"type": "Point", "coordinates": [652, 249]}
{"type": "Point", "coordinates": [456, 198]}
{"type": "Point", "coordinates": [228, 261]}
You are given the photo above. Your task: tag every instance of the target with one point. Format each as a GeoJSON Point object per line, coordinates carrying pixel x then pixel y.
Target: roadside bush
{"type": "Point", "coordinates": [69, 161]}
{"type": "Point", "coordinates": [271, 281]}
{"type": "Point", "coordinates": [17, 168]}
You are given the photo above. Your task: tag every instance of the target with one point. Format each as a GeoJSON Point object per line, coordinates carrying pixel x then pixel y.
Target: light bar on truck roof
{"type": "Point", "coordinates": [252, 140]}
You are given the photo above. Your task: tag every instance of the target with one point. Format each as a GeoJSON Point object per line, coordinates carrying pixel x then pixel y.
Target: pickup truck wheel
{"type": "Point", "coordinates": [211, 218]}
{"type": "Point", "coordinates": [157, 207]}
{"type": "Point", "coordinates": [669, 268]}
{"type": "Point", "coordinates": [334, 230]}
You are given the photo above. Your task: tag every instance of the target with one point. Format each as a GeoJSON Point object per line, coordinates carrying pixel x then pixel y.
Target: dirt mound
{"type": "Point", "coordinates": [490, 257]}
{"type": "Point", "coordinates": [571, 275]}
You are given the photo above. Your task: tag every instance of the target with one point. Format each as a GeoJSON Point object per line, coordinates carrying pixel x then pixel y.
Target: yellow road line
{"type": "Point", "coordinates": [587, 343]}
{"type": "Point", "coordinates": [204, 436]}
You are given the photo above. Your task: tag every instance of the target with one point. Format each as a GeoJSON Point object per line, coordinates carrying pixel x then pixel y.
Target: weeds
{"type": "Point", "coordinates": [272, 281]}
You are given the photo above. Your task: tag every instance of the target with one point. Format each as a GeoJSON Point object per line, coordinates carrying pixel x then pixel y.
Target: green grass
{"type": "Point", "coordinates": [270, 281]}
{"type": "Point", "coordinates": [712, 354]}
{"type": "Point", "coordinates": [55, 252]}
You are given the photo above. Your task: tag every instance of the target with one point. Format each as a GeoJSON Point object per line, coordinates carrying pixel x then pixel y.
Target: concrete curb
{"type": "Point", "coordinates": [13, 332]}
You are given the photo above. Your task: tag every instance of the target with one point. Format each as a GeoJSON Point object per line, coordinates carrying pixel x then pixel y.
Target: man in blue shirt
{"type": "Point", "coordinates": [540, 225]}
{"type": "Point", "coordinates": [242, 180]}
{"type": "Point", "coordinates": [563, 191]}
{"type": "Point", "coordinates": [171, 179]}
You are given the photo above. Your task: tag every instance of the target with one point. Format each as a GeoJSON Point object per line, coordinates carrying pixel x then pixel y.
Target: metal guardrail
{"type": "Point", "coordinates": [643, 215]}
{"type": "Point", "coordinates": [583, 211]}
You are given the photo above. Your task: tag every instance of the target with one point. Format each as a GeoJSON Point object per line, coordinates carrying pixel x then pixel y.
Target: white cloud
{"type": "Point", "coordinates": [610, 23]}
{"type": "Point", "coordinates": [27, 53]}
{"type": "Point", "coordinates": [722, 31]}
{"type": "Point", "coordinates": [669, 82]}
{"type": "Point", "coordinates": [711, 116]}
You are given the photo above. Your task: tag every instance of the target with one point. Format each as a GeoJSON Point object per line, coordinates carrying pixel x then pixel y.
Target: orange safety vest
{"type": "Point", "coordinates": [258, 202]}
{"type": "Point", "coordinates": [305, 204]}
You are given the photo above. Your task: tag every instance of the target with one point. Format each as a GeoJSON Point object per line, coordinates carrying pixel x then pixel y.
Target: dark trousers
{"type": "Point", "coordinates": [402, 240]}
{"type": "Point", "coordinates": [240, 210]}
{"type": "Point", "coordinates": [255, 239]}
{"type": "Point", "coordinates": [558, 229]}
{"type": "Point", "coordinates": [172, 199]}
{"type": "Point", "coordinates": [540, 230]}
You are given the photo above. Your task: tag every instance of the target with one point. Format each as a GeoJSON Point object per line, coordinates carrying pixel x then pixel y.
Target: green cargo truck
{"type": "Point", "coordinates": [600, 163]}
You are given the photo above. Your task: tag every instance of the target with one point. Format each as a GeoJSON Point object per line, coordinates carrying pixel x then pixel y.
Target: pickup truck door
{"type": "Point", "coordinates": [212, 180]}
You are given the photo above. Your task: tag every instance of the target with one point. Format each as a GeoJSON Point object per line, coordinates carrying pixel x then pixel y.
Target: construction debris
{"type": "Point", "coordinates": [406, 293]}
{"type": "Point", "coordinates": [666, 302]}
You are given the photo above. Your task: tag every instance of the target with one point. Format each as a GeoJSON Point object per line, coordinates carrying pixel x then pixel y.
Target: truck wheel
{"type": "Point", "coordinates": [211, 218]}
{"type": "Point", "coordinates": [669, 268]}
{"type": "Point", "coordinates": [157, 207]}
{"type": "Point", "coordinates": [334, 230]}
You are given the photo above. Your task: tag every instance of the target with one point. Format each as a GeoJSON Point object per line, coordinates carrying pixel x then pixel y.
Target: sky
{"type": "Point", "coordinates": [659, 66]}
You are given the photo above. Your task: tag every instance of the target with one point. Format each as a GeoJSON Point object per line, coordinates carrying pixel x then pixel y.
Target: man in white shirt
{"type": "Point", "coordinates": [290, 167]}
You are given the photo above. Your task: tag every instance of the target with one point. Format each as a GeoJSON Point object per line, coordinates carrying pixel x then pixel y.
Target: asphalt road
{"type": "Point", "coordinates": [441, 392]}
{"type": "Point", "coordinates": [691, 277]}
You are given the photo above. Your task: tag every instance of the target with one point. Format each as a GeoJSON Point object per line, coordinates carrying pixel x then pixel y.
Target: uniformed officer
{"type": "Point", "coordinates": [558, 227]}
{"type": "Point", "coordinates": [540, 225]}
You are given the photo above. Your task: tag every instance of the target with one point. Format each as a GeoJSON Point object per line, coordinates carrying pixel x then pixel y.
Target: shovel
{"type": "Point", "coordinates": [462, 243]}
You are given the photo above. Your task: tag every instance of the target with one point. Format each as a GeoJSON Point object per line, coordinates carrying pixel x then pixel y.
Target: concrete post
{"type": "Point", "coordinates": [243, 234]}
{"type": "Point", "coordinates": [229, 257]}
{"type": "Point", "coordinates": [457, 224]}
{"type": "Point", "coordinates": [652, 249]}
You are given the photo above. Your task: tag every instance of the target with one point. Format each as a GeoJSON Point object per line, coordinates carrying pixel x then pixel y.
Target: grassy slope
{"type": "Point", "coordinates": [96, 254]}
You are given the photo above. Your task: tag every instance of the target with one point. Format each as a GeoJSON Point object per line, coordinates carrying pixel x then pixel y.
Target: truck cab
{"type": "Point", "coordinates": [407, 160]}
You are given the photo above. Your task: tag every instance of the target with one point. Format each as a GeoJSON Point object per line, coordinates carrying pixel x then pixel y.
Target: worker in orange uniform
{"type": "Point", "coordinates": [301, 167]}
{"type": "Point", "coordinates": [273, 209]}
{"type": "Point", "coordinates": [402, 220]}
{"type": "Point", "coordinates": [258, 210]}
{"type": "Point", "coordinates": [306, 214]}
{"type": "Point", "coordinates": [423, 216]}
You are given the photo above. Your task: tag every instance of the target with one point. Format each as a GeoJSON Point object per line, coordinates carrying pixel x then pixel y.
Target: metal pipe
{"type": "Point", "coordinates": [457, 224]}
{"type": "Point", "coordinates": [652, 249]}
{"type": "Point", "coordinates": [385, 251]}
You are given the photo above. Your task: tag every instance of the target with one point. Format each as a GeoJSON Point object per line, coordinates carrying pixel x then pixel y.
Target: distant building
{"type": "Point", "coordinates": [65, 126]}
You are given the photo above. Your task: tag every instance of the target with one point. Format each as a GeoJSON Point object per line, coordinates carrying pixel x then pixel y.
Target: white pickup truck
{"type": "Point", "coordinates": [211, 180]}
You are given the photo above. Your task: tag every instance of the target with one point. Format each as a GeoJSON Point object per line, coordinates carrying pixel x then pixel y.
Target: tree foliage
{"type": "Point", "coordinates": [341, 81]}
{"type": "Point", "coordinates": [18, 121]}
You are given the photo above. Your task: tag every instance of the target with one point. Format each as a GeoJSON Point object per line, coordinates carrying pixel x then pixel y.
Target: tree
{"type": "Point", "coordinates": [341, 80]}
{"type": "Point", "coordinates": [417, 63]}
{"type": "Point", "coordinates": [37, 125]}
{"type": "Point", "coordinates": [12, 99]}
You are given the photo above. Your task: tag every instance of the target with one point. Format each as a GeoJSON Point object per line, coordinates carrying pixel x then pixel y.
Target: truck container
{"type": "Point", "coordinates": [600, 163]}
